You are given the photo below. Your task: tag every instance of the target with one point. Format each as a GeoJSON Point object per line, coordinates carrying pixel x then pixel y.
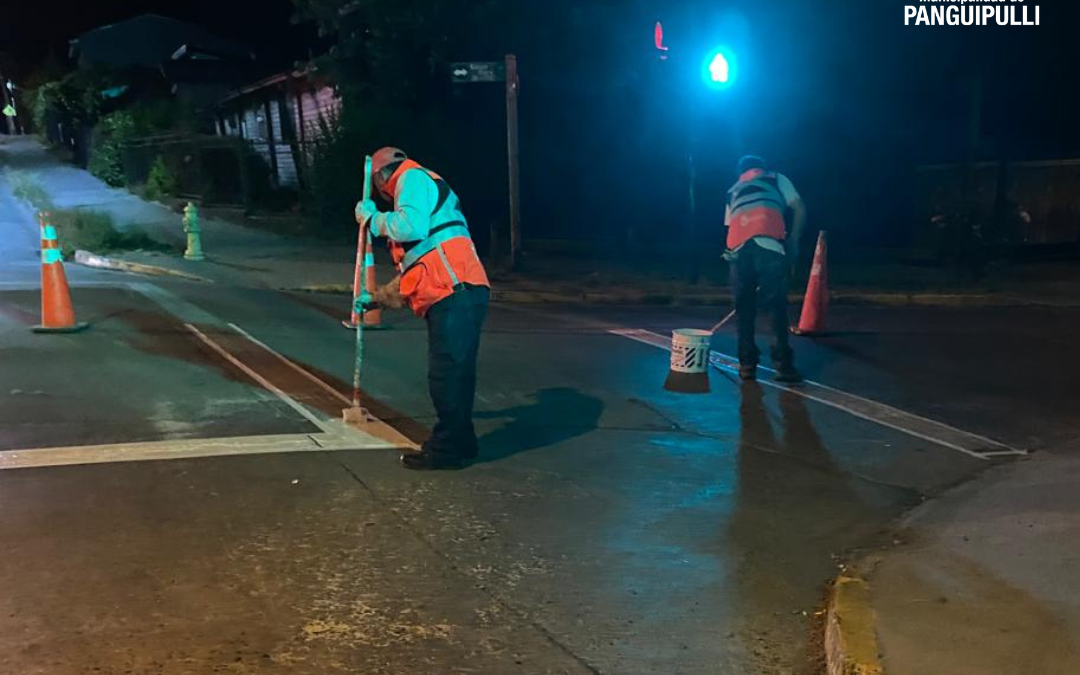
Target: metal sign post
{"type": "Point", "coordinates": [513, 158]}
{"type": "Point", "coordinates": [492, 71]}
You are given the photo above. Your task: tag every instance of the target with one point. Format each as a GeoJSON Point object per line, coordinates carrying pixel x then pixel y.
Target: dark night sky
{"type": "Point", "coordinates": [30, 28]}
{"type": "Point", "coordinates": [838, 92]}
{"type": "Point", "coordinates": [847, 64]}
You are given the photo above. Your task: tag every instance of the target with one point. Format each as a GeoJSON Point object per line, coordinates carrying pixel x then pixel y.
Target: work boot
{"type": "Point", "coordinates": [787, 374]}
{"type": "Point", "coordinates": [747, 371]}
{"type": "Point", "coordinates": [428, 461]}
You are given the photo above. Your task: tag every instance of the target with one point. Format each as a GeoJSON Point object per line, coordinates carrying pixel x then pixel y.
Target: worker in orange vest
{"type": "Point", "coordinates": [442, 281]}
{"type": "Point", "coordinates": [759, 246]}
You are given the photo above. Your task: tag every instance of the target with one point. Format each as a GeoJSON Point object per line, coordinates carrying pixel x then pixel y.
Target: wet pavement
{"type": "Point", "coordinates": [609, 526]}
{"type": "Point", "coordinates": [1006, 373]}
{"type": "Point", "coordinates": [136, 375]}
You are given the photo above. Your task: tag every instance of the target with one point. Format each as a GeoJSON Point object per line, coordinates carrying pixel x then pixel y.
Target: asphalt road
{"type": "Point", "coordinates": [609, 526]}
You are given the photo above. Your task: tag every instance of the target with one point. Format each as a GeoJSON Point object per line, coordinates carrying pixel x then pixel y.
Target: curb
{"type": "Point", "coordinates": [940, 300]}
{"type": "Point", "coordinates": [851, 646]}
{"type": "Point", "coordinates": [87, 259]}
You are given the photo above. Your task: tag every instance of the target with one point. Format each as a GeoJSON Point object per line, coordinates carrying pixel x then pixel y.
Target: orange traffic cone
{"type": "Point", "coordinates": [816, 303]}
{"type": "Point", "coordinates": [57, 315]}
{"type": "Point", "coordinates": [372, 318]}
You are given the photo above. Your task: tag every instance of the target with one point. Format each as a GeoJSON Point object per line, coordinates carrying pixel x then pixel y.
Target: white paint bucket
{"type": "Point", "coordinates": [690, 350]}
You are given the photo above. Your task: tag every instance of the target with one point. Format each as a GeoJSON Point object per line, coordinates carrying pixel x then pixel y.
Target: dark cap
{"type": "Point", "coordinates": [750, 162]}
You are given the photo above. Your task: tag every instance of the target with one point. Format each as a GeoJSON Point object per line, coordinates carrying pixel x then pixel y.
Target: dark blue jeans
{"type": "Point", "coordinates": [759, 278]}
{"type": "Point", "coordinates": [454, 327]}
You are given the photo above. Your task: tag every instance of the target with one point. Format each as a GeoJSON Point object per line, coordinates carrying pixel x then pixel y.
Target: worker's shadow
{"type": "Point", "coordinates": [558, 415]}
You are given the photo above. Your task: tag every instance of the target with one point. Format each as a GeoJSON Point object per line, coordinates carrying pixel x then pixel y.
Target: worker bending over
{"type": "Point", "coordinates": [443, 282]}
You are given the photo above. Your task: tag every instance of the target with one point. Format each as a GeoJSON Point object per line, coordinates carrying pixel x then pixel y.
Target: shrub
{"type": "Point", "coordinates": [162, 181]}
{"type": "Point", "coordinates": [84, 230]}
{"type": "Point", "coordinates": [112, 133]}
{"type": "Point", "coordinates": [116, 130]}
{"type": "Point", "coordinates": [97, 232]}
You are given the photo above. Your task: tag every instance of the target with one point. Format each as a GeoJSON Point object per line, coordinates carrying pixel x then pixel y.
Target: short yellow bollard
{"type": "Point", "coordinates": [191, 227]}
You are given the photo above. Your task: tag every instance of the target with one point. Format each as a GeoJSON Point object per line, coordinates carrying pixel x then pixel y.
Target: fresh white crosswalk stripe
{"type": "Point", "coordinates": [944, 435]}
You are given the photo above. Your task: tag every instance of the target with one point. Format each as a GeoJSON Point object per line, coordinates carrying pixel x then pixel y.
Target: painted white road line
{"type": "Point", "coordinates": [335, 433]}
{"type": "Point", "coordinates": [265, 383]}
{"type": "Point", "coordinates": [941, 434]}
{"type": "Point", "coordinates": [927, 429]}
{"type": "Point", "coordinates": [187, 449]}
{"type": "Point", "coordinates": [174, 305]}
{"type": "Point", "coordinates": [323, 385]}
{"type": "Point", "coordinates": [377, 427]}
{"type": "Point", "coordinates": [189, 313]}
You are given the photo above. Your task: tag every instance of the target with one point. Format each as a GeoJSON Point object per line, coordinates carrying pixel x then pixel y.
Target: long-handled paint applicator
{"type": "Point", "coordinates": [356, 414]}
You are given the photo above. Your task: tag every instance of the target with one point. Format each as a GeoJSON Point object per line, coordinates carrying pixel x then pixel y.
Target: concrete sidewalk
{"type": "Point", "coordinates": [237, 255]}
{"type": "Point", "coordinates": [983, 581]}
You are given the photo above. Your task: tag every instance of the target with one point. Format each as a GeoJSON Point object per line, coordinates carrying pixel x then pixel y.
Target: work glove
{"type": "Point", "coordinates": [389, 295]}
{"type": "Point", "coordinates": [365, 211]}
{"type": "Point", "coordinates": [365, 303]}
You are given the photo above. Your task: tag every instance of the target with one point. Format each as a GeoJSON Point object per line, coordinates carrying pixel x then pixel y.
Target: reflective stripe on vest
{"type": "Point", "coordinates": [757, 210]}
{"type": "Point", "coordinates": [432, 243]}
{"type": "Point", "coordinates": [756, 193]}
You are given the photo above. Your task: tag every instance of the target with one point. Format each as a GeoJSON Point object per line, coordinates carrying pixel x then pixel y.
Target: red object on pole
{"type": "Point", "coordinates": [816, 303]}
{"type": "Point", "coordinates": [658, 38]}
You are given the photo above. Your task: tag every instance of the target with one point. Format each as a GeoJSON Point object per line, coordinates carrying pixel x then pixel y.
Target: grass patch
{"type": "Point", "coordinates": [81, 230]}
{"type": "Point", "coordinates": [97, 232]}
{"type": "Point", "coordinates": [27, 187]}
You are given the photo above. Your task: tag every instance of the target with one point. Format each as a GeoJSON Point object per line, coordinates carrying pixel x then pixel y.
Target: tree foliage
{"type": "Point", "coordinates": [118, 128]}
{"type": "Point", "coordinates": [76, 96]}
{"type": "Point", "coordinates": [396, 51]}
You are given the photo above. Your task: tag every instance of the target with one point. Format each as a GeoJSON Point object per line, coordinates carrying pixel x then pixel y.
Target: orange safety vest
{"type": "Point", "coordinates": [757, 209]}
{"type": "Point", "coordinates": [433, 268]}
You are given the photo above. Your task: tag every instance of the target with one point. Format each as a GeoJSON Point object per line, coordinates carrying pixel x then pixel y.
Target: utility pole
{"type": "Point", "coordinates": [506, 71]}
{"type": "Point", "coordinates": [513, 158]}
{"type": "Point", "coordinates": [694, 272]}
{"type": "Point", "coordinates": [691, 169]}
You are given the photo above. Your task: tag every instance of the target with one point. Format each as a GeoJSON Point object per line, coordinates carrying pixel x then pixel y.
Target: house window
{"type": "Point", "coordinates": [260, 127]}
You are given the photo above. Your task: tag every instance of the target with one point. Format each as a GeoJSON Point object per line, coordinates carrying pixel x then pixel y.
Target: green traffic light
{"type": "Point", "coordinates": [719, 69]}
